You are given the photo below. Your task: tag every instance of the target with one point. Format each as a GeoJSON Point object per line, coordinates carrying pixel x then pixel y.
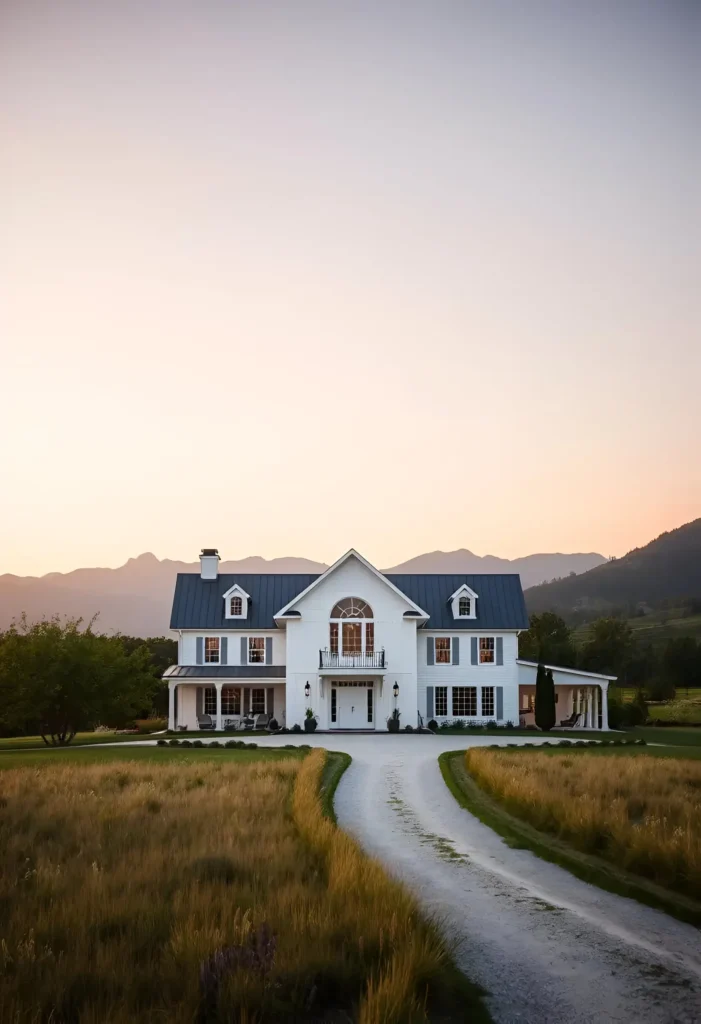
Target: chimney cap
{"type": "Point", "coordinates": [210, 552]}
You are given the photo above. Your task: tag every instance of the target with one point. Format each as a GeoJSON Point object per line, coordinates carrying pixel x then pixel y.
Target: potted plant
{"type": "Point", "coordinates": [393, 721]}
{"type": "Point", "coordinates": [310, 721]}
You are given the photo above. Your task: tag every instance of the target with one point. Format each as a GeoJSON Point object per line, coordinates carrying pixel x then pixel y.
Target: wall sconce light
{"type": "Point", "coordinates": [395, 690]}
{"type": "Point", "coordinates": [307, 690]}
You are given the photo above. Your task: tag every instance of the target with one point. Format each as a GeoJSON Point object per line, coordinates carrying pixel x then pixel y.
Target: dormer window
{"type": "Point", "coordinates": [236, 603]}
{"type": "Point", "coordinates": [464, 603]}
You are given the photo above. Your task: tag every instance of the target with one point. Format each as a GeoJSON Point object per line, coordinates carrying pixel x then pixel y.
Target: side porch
{"type": "Point", "coordinates": [224, 695]}
{"type": "Point", "coordinates": [581, 698]}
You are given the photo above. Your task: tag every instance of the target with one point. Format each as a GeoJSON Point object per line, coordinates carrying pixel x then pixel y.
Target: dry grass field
{"type": "Point", "coordinates": [199, 891]}
{"type": "Point", "coordinates": [643, 814]}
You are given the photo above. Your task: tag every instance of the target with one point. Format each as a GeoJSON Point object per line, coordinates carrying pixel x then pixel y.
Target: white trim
{"type": "Point", "coordinates": [572, 671]}
{"type": "Point", "coordinates": [352, 553]}
{"type": "Point", "coordinates": [236, 591]}
{"type": "Point", "coordinates": [464, 591]}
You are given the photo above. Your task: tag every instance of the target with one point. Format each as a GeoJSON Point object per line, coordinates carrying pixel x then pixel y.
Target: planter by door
{"type": "Point", "coordinates": [392, 725]}
{"type": "Point", "coordinates": [310, 724]}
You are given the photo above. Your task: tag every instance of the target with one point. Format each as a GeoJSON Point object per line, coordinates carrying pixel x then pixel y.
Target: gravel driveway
{"type": "Point", "coordinates": [549, 948]}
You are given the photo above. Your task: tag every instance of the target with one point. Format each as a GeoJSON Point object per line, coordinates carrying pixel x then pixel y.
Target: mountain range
{"type": "Point", "coordinates": [135, 598]}
{"type": "Point", "coordinates": [667, 568]}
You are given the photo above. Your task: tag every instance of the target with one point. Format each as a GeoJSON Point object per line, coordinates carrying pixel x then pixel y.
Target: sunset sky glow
{"type": "Point", "coordinates": [284, 278]}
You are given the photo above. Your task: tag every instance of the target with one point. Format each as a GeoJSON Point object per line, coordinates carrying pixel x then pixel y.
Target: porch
{"type": "Point", "coordinates": [581, 698]}
{"type": "Point", "coordinates": [226, 699]}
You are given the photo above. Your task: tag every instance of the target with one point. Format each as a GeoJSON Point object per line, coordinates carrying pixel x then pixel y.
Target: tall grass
{"type": "Point", "coordinates": [640, 813]}
{"type": "Point", "coordinates": [194, 892]}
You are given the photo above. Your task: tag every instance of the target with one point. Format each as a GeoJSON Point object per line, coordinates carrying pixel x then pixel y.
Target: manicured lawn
{"type": "Point", "coordinates": [86, 738]}
{"type": "Point", "coordinates": [616, 817]}
{"type": "Point", "coordinates": [682, 709]}
{"type": "Point", "coordinates": [150, 884]}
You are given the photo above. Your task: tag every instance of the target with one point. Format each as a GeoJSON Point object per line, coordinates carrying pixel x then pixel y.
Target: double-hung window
{"type": "Point", "coordinates": [256, 651]}
{"type": "Point", "coordinates": [258, 702]}
{"type": "Point", "coordinates": [442, 650]}
{"type": "Point", "coordinates": [487, 656]}
{"type": "Point", "coordinates": [211, 650]}
{"type": "Point", "coordinates": [464, 701]}
{"type": "Point", "coordinates": [441, 701]}
{"type": "Point", "coordinates": [488, 702]}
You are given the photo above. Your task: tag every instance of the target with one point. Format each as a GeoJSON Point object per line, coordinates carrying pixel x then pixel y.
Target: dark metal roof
{"type": "Point", "coordinates": [225, 672]}
{"type": "Point", "coordinates": [500, 603]}
{"type": "Point", "coordinates": [199, 604]}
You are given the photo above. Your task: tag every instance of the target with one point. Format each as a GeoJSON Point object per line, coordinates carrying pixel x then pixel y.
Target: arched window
{"type": "Point", "coordinates": [350, 632]}
{"type": "Point", "coordinates": [465, 606]}
{"type": "Point", "coordinates": [235, 605]}
{"type": "Point", "coordinates": [351, 608]}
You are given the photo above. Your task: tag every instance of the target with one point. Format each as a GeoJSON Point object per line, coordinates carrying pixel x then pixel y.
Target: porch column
{"type": "Point", "coordinates": [604, 706]}
{"type": "Point", "coordinates": [171, 704]}
{"type": "Point", "coordinates": [595, 707]}
{"type": "Point", "coordinates": [218, 687]}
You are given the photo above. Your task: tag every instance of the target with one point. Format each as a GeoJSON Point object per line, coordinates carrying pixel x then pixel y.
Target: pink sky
{"type": "Point", "coordinates": [285, 278]}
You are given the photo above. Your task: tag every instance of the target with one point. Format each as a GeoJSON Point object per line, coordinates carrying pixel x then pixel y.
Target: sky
{"type": "Point", "coordinates": [284, 279]}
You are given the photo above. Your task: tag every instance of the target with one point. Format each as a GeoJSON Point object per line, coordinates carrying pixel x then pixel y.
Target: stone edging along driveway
{"type": "Point", "coordinates": [548, 947]}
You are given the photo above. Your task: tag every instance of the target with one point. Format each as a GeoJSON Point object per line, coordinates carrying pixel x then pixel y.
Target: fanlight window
{"type": "Point", "coordinates": [351, 608]}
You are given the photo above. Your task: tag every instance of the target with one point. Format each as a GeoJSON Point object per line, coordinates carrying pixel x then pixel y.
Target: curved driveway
{"type": "Point", "coordinates": [549, 948]}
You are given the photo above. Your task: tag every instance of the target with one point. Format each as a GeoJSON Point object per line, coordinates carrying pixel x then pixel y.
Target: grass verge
{"type": "Point", "coordinates": [151, 884]}
{"type": "Point", "coordinates": [521, 835]}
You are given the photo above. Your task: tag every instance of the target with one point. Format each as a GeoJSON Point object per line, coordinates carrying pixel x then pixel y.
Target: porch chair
{"type": "Point", "coordinates": [570, 723]}
{"type": "Point", "coordinates": [261, 721]}
{"type": "Point", "coordinates": [205, 722]}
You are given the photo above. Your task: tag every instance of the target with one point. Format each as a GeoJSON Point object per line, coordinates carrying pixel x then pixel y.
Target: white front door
{"type": "Point", "coordinates": [352, 706]}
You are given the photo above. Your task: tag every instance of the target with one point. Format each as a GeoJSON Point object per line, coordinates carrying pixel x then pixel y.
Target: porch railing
{"type": "Point", "coordinates": [331, 659]}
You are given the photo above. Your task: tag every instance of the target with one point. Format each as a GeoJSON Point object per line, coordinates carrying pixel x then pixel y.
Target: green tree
{"type": "Point", "coordinates": [545, 715]}
{"type": "Point", "coordinates": [163, 652]}
{"type": "Point", "coordinates": [57, 677]}
{"type": "Point", "coordinates": [548, 639]}
{"type": "Point", "coordinates": [609, 649]}
{"type": "Point", "coordinates": [681, 663]}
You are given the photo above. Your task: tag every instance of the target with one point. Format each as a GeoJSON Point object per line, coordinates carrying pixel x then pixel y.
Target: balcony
{"type": "Point", "coordinates": [333, 660]}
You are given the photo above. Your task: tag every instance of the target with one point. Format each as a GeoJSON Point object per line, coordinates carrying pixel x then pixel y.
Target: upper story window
{"type": "Point", "coordinates": [486, 648]}
{"type": "Point", "coordinates": [351, 608]}
{"type": "Point", "coordinates": [350, 631]}
{"type": "Point", "coordinates": [464, 603]}
{"type": "Point", "coordinates": [443, 650]}
{"type": "Point", "coordinates": [211, 650]}
{"type": "Point", "coordinates": [256, 650]}
{"type": "Point", "coordinates": [236, 603]}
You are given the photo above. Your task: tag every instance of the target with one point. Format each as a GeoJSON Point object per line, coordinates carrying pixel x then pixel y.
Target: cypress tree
{"type": "Point", "coordinates": [545, 715]}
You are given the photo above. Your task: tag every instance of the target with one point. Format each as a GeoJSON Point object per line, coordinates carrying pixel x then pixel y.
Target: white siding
{"type": "Point", "coordinates": [466, 674]}
{"type": "Point", "coordinates": [188, 648]}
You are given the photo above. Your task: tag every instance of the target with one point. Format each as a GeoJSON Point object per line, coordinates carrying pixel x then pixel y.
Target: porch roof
{"type": "Point", "coordinates": [225, 672]}
{"type": "Point", "coordinates": [569, 671]}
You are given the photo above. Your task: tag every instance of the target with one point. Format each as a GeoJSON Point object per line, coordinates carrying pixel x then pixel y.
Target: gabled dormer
{"type": "Point", "coordinates": [236, 603]}
{"type": "Point", "coordinates": [464, 603]}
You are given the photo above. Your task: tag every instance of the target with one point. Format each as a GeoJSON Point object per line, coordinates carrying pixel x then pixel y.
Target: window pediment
{"type": "Point", "coordinates": [236, 603]}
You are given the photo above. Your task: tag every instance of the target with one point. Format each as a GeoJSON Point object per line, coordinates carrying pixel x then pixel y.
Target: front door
{"type": "Point", "coordinates": [352, 705]}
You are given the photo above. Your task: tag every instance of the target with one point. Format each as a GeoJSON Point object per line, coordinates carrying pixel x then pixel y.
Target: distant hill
{"type": "Point", "coordinates": [136, 598]}
{"type": "Point", "coordinates": [666, 568]}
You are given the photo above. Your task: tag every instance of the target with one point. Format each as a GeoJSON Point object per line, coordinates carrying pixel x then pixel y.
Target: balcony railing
{"type": "Point", "coordinates": [331, 659]}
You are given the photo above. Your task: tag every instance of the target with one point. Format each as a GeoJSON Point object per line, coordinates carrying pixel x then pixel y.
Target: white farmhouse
{"type": "Point", "coordinates": [353, 644]}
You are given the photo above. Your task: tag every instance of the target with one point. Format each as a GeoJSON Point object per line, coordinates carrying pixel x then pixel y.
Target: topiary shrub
{"type": "Point", "coordinates": [231, 743]}
{"type": "Point", "coordinates": [565, 743]}
{"type": "Point", "coordinates": [173, 743]}
{"type": "Point", "coordinates": [162, 743]}
{"type": "Point", "coordinates": [215, 743]}
{"type": "Point", "coordinates": [186, 743]}
{"type": "Point", "coordinates": [296, 727]}
{"type": "Point", "coordinates": [197, 743]}
{"type": "Point", "coordinates": [433, 724]}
